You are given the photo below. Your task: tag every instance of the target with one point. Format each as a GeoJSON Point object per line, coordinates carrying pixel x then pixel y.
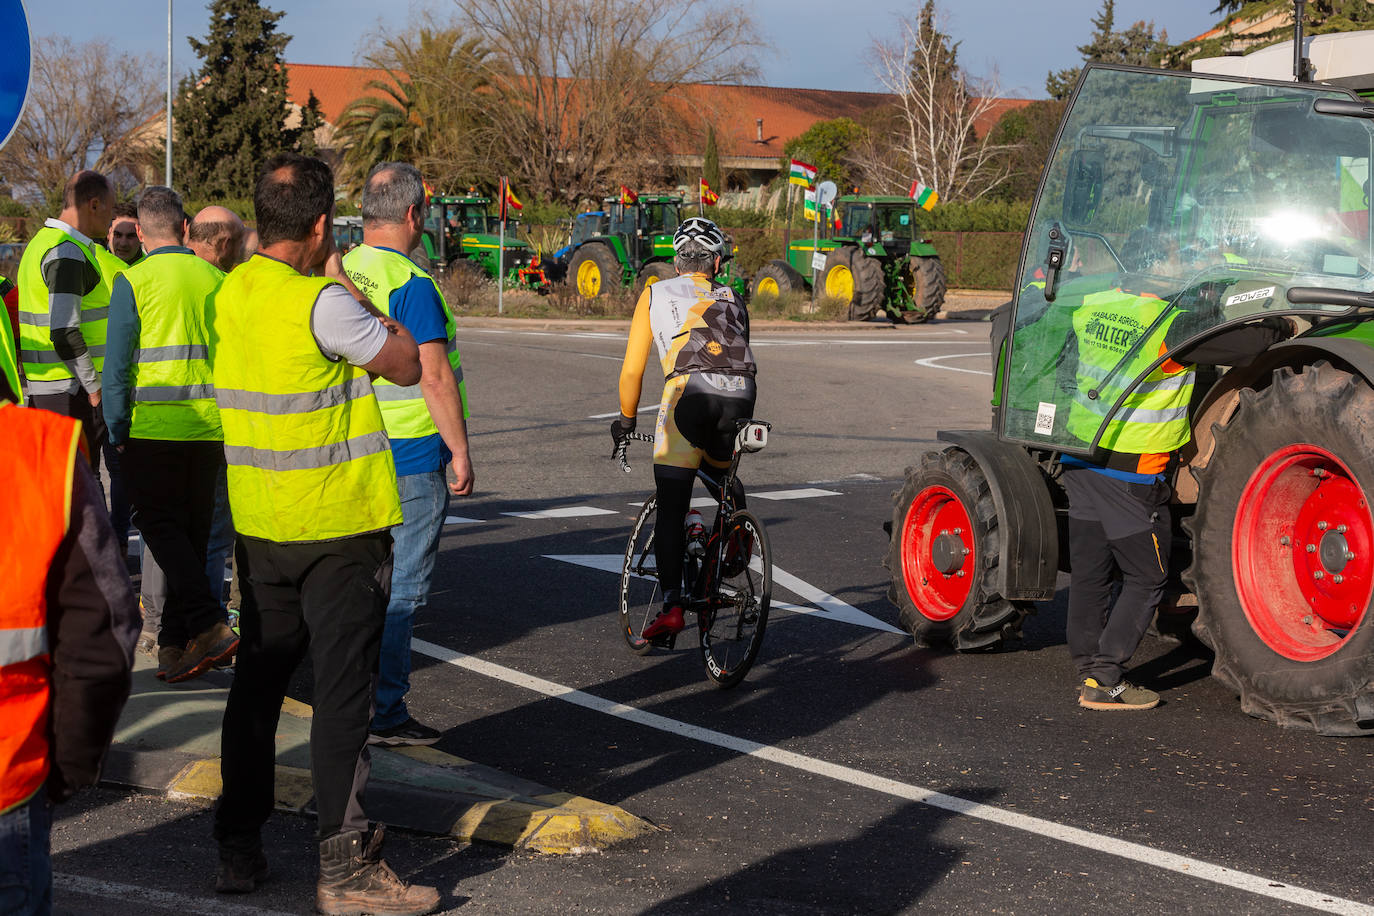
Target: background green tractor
{"type": "Point", "coordinates": [876, 259]}
{"type": "Point", "coordinates": [461, 235]}
{"type": "Point", "coordinates": [1194, 204]}
{"type": "Point", "coordinates": [627, 245]}
{"type": "Point", "coordinates": [623, 244]}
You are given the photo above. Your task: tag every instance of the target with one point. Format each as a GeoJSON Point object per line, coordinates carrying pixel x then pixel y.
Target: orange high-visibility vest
{"type": "Point", "coordinates": [37, 463]}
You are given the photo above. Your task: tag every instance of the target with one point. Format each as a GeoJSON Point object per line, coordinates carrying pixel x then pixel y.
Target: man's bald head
{"type": "Point", "coordinates": [217, 236]}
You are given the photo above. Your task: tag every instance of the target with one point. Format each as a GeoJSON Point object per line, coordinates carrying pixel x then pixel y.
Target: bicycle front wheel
{"type": "Point", "coordinates": [736, 611]}
{"type": "Point", "coordinates": [641, 595]}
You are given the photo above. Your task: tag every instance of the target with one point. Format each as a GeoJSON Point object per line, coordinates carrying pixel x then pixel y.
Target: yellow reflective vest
{"type": "Point", "coordinates": [172, 392]}
{"type": "Point", "coordinates": [308, 457]}
{"type": "Point", "coordinates": [40, 360]}
{"type": "Point", "coordinates": [379, 273]}
{"type": "Point", "coordinates": [1154, 417]}
{"type": "Point", "coordinates": [9, 356]}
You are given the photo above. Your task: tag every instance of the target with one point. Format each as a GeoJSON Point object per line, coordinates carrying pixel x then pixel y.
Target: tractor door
{"type": "Point", "coordinates": [1172, 206]}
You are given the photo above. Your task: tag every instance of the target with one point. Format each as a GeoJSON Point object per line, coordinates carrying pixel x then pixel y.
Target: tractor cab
{"type": "Point", "coordinates": [645, 227]}
{"type": "Point", "coordinates": [1174, 206]}
{"type": "Point", "coordinates": [880, 223]}
{"type": "Point", "coordinates": [461, 234]}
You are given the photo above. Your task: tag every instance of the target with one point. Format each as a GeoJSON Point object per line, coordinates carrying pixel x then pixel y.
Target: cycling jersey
{"type": "Point", "coordinates": [698, 325]}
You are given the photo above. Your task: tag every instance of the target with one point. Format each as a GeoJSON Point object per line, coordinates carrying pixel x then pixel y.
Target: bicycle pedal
{"type": "Point", "coordinates": [666, 641]}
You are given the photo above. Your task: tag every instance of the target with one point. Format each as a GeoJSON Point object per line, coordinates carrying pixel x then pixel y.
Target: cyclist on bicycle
{"type": "Point", "coordinates": [701, 329]}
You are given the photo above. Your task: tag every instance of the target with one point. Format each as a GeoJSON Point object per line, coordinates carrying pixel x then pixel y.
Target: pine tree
{"type": "Point", "coordinates": [710, 162]}
{"type": "Point", "coordinates": [1137, 46]}
{"type": "Point", "coordinates": [230, 115]}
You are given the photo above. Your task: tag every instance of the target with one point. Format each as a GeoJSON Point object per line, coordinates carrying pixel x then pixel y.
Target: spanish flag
{"type": "Point", "coordinates": [709, 198]}
{"type": "Point", "coordinates": [628, 197]}
{"type": "Point", "coordinates": [508, 199]}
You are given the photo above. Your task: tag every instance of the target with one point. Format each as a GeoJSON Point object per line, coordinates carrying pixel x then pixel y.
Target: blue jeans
{"type": "Point", "coordinates": [26, 858]}
{"type": "Point", "coordinates": [424, 503]}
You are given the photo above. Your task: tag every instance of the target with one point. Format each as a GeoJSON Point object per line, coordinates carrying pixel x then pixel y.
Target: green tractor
{"type": "Point", "coordinates": [1182, 205]}
{"type": "Point", "coordinates": [462, 236]}
{"type": "Point", "coordinates": [875, 258]}
{"type": "Point", "coordinates": [624, 245]}
{"type": "Point", "coordinates": [627, 245]}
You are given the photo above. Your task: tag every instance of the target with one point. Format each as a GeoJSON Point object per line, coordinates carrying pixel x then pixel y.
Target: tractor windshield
{"type": "Point", "coordinates": [661, 217]}
{"type": "Point", "coordinates": [1177, 203]}
{"type": "Point", "coordinates": [894, 224]}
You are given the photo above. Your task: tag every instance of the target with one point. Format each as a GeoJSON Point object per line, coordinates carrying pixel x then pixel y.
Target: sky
{"type": "Point", "coordinates": [814, 44]}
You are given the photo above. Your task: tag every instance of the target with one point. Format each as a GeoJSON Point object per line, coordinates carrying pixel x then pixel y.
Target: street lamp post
{"type": "Point", "coordinates": [168, 181]}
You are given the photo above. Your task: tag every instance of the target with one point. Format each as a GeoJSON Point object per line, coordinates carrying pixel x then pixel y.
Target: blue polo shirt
{"type": "Point", "coordinates": [417, 306]}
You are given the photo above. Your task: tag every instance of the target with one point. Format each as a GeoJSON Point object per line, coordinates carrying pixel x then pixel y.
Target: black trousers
{"type": "Point", "coordinates": [78, 407]}
{"type": "Point", "coordinates": [328, 599]}
{"type": "Point", "coordinates": [172, 488]}
{"type": "Point", "coordinates": [1113, 526]}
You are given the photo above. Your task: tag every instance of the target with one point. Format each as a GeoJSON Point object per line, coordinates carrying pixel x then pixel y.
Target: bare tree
{"type": "Point", "coordinates": [931, 136]}
{"type": "Point", "coordinates": [86, 106]}
{"type": "Point", "coordinates": [581, 90]}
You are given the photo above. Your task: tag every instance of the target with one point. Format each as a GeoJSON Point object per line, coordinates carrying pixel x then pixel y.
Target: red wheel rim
{"type": "Point", "coordinates": [1303, 552]}
{"type": "Point", "coordinates": [939, 555]}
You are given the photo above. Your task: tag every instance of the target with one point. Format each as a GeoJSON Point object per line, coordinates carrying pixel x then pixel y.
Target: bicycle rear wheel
{"type": "Point", "coordinates": [641, 595]}
{"type": "Point", "coordinates": [736, 612]}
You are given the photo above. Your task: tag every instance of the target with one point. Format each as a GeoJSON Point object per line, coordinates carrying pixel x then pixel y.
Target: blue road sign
{"type": "Point", "coordinates": [16, 61]}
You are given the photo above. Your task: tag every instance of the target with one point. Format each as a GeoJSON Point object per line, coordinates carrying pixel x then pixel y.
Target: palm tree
{"type": "Point", "coordinates": [427, 110]}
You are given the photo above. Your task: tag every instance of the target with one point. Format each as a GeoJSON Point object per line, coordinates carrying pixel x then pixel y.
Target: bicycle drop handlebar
{"type": "Point", "coordinates": [624, 446]}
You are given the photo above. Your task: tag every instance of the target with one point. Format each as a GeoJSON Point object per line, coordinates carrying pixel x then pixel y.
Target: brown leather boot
{"type": "Point", "coordinates": [356, 880]}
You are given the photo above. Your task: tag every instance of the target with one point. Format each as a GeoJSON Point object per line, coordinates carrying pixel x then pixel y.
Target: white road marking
{"type": "Point", "coordinates": [132, 893]}
{"type": "Point", "coordinates": [648, 408]}
{"type": "Point", "coordinates": [698, 502]}
{"type": "Point", "coordinates": [563, 512]}
{"type": "Point", "coordinates": [805, 493]}
{"type": "Point", "coordinates": [460, 520]}
{"type": "Point", "coordinates": [933, 362]}
{"type": "Point", "coordinates": [1093, 842]}
{"type": "Point", "coordinates": [824, 604]}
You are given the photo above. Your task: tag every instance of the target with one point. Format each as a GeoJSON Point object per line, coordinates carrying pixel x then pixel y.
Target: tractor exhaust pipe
{"type": "Point", "coordinates": [1301, 66]}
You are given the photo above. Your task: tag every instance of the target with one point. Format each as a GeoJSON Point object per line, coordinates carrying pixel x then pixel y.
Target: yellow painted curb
{"type": "Point", "coordinates": [200, 781]}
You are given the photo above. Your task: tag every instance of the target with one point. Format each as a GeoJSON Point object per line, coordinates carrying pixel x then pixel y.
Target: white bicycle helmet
{"type": "Point", "coordinates": [702, 231]}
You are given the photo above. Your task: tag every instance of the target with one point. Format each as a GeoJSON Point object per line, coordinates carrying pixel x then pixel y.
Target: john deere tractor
{"type": "Point", "coordinates": [623, 244]}
{"type": "Point", "coordinates": [462, 235]}
{"type": "Point", "coordinates": [875, 258]}
{"type": "Point", "coordinates": [1181, 206]}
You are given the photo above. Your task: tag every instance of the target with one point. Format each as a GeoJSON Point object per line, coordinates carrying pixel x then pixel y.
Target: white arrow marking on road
{"type": "Point", "coordinates": [932, 362]}
{"type": "Point", "coordinates": [825, 604]}
{"type": "Point", "coordinates": [648, 408]}
{"type": "Point", "coordinates": [564, 512]}
{"type": "Point", "coordinates": [460, 520]}
{"type": "Point", "coordinates": [805, 493]}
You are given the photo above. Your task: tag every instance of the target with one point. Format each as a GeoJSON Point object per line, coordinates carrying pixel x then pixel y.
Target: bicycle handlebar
{"type": "Point", "coordinates": [624, 446]}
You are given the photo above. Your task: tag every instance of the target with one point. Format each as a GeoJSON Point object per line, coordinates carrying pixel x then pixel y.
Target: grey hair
{"type": "Point", "coordinates": [392, 188]}
{"type": "Point", "coordinates": [160, 212]}
{"type": "Point", "coordinates": [694, 258]}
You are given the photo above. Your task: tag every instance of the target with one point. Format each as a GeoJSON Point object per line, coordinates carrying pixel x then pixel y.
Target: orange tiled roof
{"type": "Point", "coordinates": [734, 111]}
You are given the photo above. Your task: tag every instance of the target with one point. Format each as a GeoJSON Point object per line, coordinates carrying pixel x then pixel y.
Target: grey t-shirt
{"type": "Point", "coordinates": [343, 329]}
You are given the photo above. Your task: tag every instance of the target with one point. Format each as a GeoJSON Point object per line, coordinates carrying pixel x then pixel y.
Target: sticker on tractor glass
{"type": "Point", "coordinates": [1252, 296]}
{"type": "Point", "coordinates": [905, 219]}
{"type": "Point", "coordinates": [1044, 419]}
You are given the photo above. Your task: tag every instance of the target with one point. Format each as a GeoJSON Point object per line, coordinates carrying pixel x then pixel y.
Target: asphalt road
{"type": "Point", "coordinates": [851, 772]}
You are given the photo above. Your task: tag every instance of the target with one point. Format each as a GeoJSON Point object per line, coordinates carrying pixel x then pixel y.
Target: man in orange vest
{"type": "Point", "coordinates": [68, 624]}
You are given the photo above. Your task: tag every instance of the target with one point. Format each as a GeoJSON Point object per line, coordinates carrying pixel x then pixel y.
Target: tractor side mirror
{"type": "Point", "coordinates": [1083, 187]}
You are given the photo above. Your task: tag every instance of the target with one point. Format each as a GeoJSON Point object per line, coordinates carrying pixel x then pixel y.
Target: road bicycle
{"type": "Point", "coordinates": [727, 585]}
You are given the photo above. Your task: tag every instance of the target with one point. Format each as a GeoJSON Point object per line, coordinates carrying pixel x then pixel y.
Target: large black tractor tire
{"type": "Point", "coordinates": [928, 289]}
{"type": "Point", "coordinates": [775, 278]}
{"type": "Point", "coordinates": [854, 279]}
{"type": "Point", "coordinates": [944, 555]}
{"type": "Point", "coordinates": [653, 272]}
{"type": "Point", "coordinates": [594, 270]}
{"type": "Point", "coordinates": [468, 268]}
{"type": "Point", "coordinates": [1283, 552]}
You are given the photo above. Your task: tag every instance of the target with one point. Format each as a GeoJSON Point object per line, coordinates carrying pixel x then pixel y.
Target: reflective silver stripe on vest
{"type": "Point", "coordinates": [397, 393]}
{"type": "Point", "coordinates": [174, 351]}
{"type": "Point", "coordinates": [386, 391]}
{"type": "Point", "coordinates": [95, 314]}
{"type": "Point", "coordinates": [21, 645]}
{"type": "Point", "coordinates": [1144, 415]}
{"type": "Point", "coordinates": [304, 459]}
{"type": "Point", "coordinates": [281, 404]}
{"type": "Point", "coordinates": [50, 356]}
{"type": "Point", "coordinates": [34, 319]}
{"type": "Point", "coordinates": [152, 393]}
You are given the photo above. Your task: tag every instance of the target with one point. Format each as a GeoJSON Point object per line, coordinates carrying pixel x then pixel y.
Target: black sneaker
{"type": "Point", "coordinates": [409, 733]}
{"type": "Point", "coordinates": [1124, 695]}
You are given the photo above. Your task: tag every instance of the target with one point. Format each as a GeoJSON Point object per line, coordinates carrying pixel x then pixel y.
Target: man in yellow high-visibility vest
{"type": "Point", "coordinates": [426, 423]}
{"type": "Point", "coordinates": [312, 487]}
{"type": "Point", "coordinates": [160, 410]}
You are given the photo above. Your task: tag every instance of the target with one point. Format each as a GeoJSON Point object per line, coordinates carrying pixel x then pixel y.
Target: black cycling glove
{"type": "Point", "coordinates": [620, 432]}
